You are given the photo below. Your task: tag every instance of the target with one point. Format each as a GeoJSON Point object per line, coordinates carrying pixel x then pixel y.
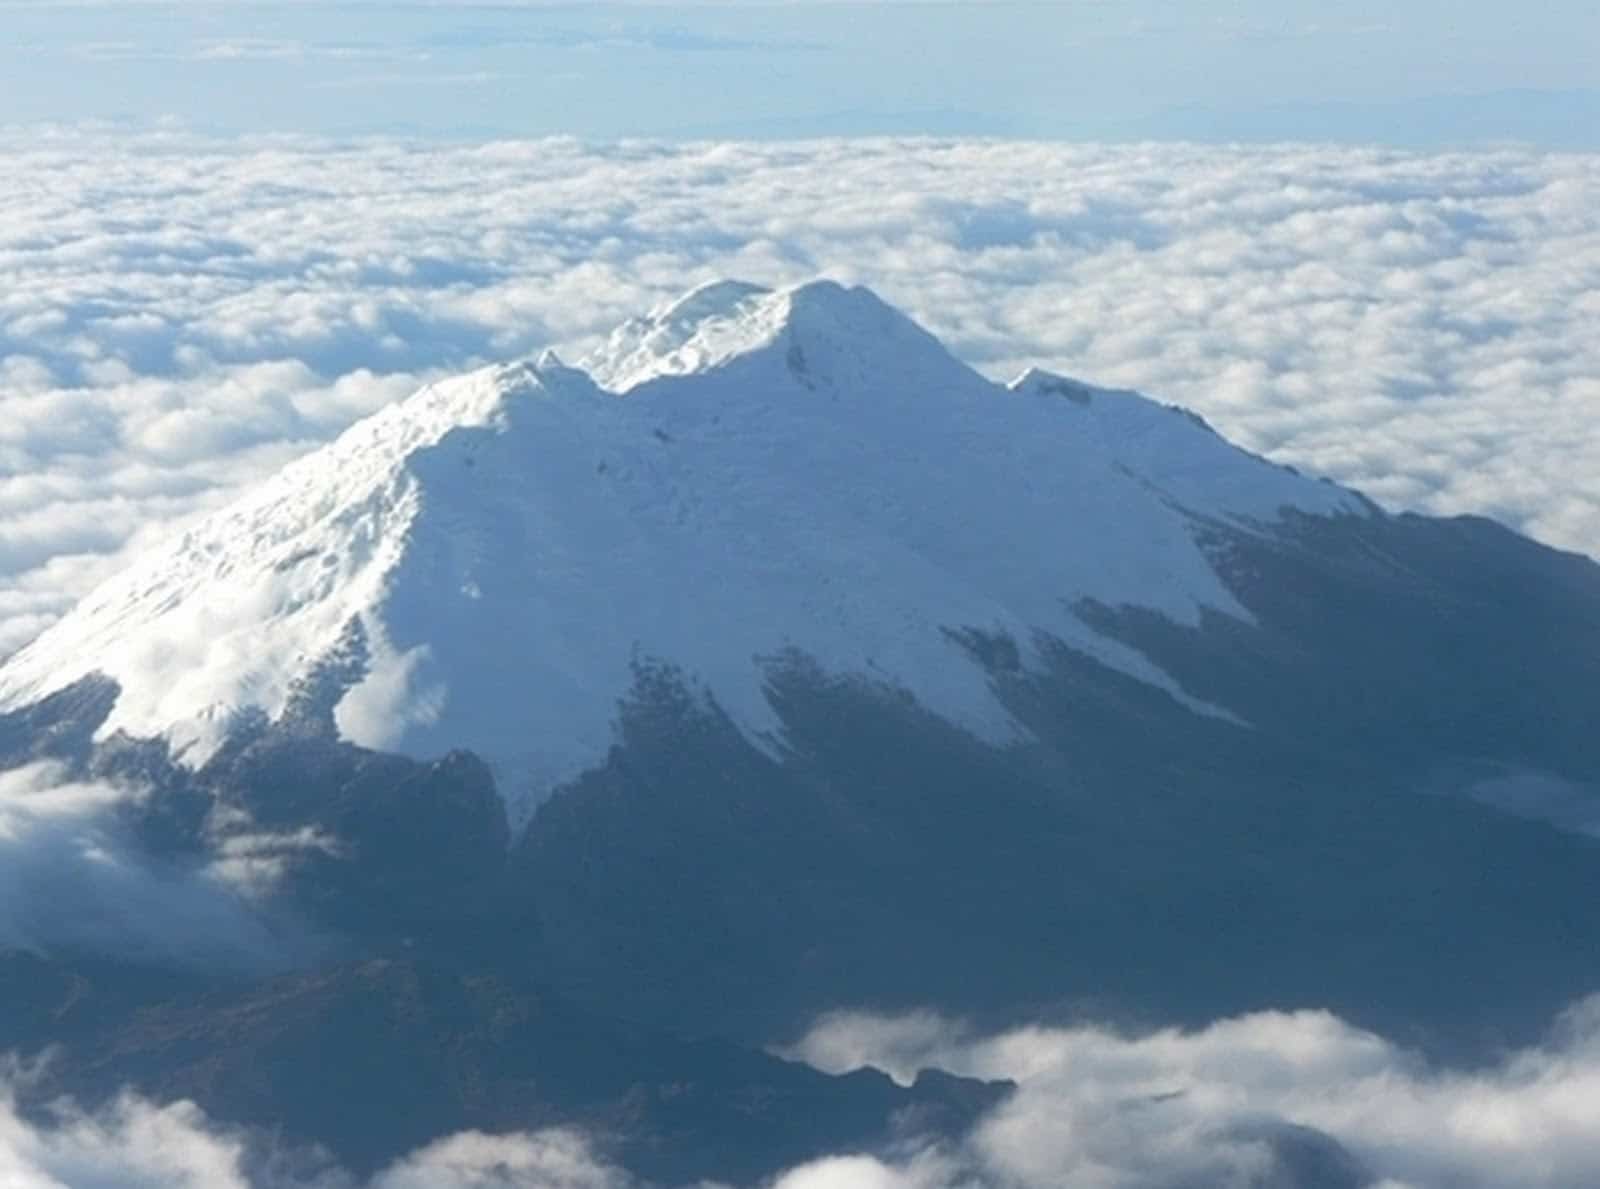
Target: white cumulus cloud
{"type": "Point", "coordinates": [1266, 1101]}
{"type": "Point", "coordinates": [132, 1143]}
{"type": "Point", "coordinates": [1300, 1100]}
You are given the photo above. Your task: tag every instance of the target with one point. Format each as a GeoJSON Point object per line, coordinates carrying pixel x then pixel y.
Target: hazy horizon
{"type": "Point", "coordinates": [1419, 75]}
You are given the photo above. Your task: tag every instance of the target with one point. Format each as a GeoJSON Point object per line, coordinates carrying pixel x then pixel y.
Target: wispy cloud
{"type": "Point", "coordinates": [244, 49]}
{"type": "Point", "coordinates": [75, 879]}
{"type": "Point", "coordinates": [618, 36]}
{"type": "Point", "coordinates": [467, 78]}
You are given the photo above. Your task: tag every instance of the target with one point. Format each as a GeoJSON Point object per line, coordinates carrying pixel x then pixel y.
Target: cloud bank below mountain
{"type": "Point", "coordinates": [1294, 1099]}
{"type": "Point", "coordinates": [135, 1144]}
{"type": "Point", "coordinates": [1301, 1101]}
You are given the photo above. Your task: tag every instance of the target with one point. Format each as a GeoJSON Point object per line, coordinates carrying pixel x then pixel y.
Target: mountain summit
{"type": "Point", "coordinates": [740, 477]}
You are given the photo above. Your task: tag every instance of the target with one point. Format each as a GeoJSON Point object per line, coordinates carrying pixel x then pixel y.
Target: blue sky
{"type": "Point", "coordinates": [1422, 73]}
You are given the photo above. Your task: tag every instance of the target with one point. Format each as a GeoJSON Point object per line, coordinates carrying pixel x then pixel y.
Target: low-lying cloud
{"type": "Point", "coordinates": [136, 1144]}
{"type": "Point", "coordinates": [74, 878]}
{"type": "Point", "coordinates": [182, 315]}
{"type": "Point", "coordinates": [1268, 1101]}
{"type": "Point", "coordinates": [1301, 1101]}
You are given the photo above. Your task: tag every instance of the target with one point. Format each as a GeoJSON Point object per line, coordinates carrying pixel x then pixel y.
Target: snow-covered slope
{"type": "Point", "coordinates": [737, 475]}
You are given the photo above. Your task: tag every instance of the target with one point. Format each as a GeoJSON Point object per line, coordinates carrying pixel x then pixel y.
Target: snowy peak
{"type": "Point", "coordinates": [823, 333]}
{"type": "Point", "coordinates": [714, 300]}
{"type": "Point", "coordinates": [1038, 382]}
{"type": "Point", "coordinates": [740, 475]}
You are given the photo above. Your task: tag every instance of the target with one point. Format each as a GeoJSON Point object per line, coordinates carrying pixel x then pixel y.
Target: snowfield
{"type": "Point", "coordinates": [740, 476]}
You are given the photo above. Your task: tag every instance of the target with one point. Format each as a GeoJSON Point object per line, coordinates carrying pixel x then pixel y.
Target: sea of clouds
{"type": "Point", "coordinates": [181, 315]}
{"type": "Point", "coordinates": [1267, 1101]}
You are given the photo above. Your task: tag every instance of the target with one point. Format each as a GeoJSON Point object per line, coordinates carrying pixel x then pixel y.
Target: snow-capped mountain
{"type": "Point", "coordinates": [818, 672]}
{"type": "Point", "coordinates": [739, 476]}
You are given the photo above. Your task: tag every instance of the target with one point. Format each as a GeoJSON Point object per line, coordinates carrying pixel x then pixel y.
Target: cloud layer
{"type": "Point", "coordinates": [1299, 1101]}
{"type": "Point", "coordinates": [183, 315]}
{"type": "Point", "coordinates": [1295, 1100]}
{"type": "Point", "coordinates": [136, 1144]}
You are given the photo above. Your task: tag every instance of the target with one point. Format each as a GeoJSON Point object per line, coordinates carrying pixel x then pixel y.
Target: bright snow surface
{"type": "Point", "coordinates": [738, 475]}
